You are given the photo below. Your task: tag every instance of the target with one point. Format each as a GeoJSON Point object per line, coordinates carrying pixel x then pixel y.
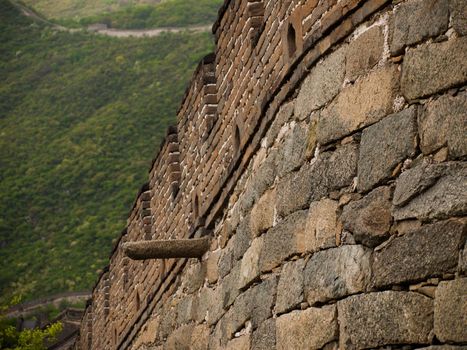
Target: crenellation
{"type": "Point", "coordinates": [328, 176]}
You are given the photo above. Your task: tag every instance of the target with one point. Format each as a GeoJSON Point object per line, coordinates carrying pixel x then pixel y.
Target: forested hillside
{"type": "Point", "coordinates": [81, 116]}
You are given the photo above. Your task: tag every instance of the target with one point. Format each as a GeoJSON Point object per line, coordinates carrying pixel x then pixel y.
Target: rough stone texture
{"type": "Point", "coordinates": [322, 226]}
{"type": "Point", "coordinates": [242, 343]}
{"type": "Point", "coordinates": [254, 305]}
{"type": "Point", "coordinates": [384, 145]}
{"type": "Point", "coordinates": [331, 171]}
{"type": "Point", "coordinates": [264, 338]}
{"type": "Point", "coordinates": [194, 278]}
{"type": "Point", "coordinates": [180, 339]}
{"type": "Point", "coordinates": [463, 260]}
{"type": "Point", "coordinates": [369, 219]}
{"type": "Point", "coordinates": [262, 214]}
{"type": "Point", "coordinates": [336, 272]}
{"type": "Point", "coordinates": [242, 238]}
{"type": "Point", "coordinates": [322, 84]}
{"type": "Point", "coordinates": [367, 101]}
{"type": "Point", "coordinates": [417, 20]}
{"type": "Point", "coordinates": [440, 194]}
{"type": "Point", "coordinates": [364, 53]}
{"type": "Point", "coordinates": [283, 116]}
{"type": "Point", "coordinates": [443, 123]}
{"type": "Point", "coordinates": [249, 269]}
{"type": "Point", "coordinates": [280, 242]}
{"type": "Point", "coordinates": [429, 68]}
{"type": "Point", "coordinates": [230, 289]}
{"type": "Point", "coordinates": [293, 151]}
{"type": "Point", "coordinates": [459, 16]}
{"type": "Point", "coordinates": [377, 319]}
{"type": "Point", "coordinates": [226, 261]}
{"type": "Point", "coordinates": [290, 287]}
{"type": "Point", "coordinates": [444, 347]}
{"type": "Point", "coordinates": [451, 311]}
{"type": "Point", "coordinates": [306, 330]}
{"type": "Point", "coordinates": [212, 266]}
{"type": "Point", "coordinates": [430, 251]}
{"type": "Point", "coordinates": [200, 338]}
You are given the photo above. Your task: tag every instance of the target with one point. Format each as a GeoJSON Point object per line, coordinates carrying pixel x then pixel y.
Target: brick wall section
{"type": "Point", "coordinates": [323, 148]}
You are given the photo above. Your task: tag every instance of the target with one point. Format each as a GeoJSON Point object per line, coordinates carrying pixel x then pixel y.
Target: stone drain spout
{"type": "Point", "coordinates": [165, 249]}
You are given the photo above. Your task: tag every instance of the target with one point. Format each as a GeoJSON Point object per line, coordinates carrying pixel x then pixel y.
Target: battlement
{"type": "Point", "coordinates": [293, 147]}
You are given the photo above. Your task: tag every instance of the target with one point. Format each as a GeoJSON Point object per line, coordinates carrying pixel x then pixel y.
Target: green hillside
{"type": "Point", "coordinates": [80, 118]}
{"type": "Point", "coordinates": [135, 14]}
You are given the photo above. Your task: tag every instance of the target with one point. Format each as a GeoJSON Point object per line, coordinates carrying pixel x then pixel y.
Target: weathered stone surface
{"type": "Point", "coordinates": [322, 84]}
{"type": "Point", "coordinates": [430, 251]}
{"type": "Point", "coordinates": [459, 16]}
{"type": "Point", "coordinates": [330, 171]}
{"type": "Point", "coordinates": [336, 272]}
{"type": "Point", "coordinates": [180, 339]}
{"type": "Point", "coordinates": [241, 343]}
{"type": "Point", "coordinates": [211, 303]}
{"type": "Point", "coordinates": [369, 219]}
{"type": "Point", "coordinates": [185, 310]}
{"type": "Point", "coordinates": [321, 228]}
{"type": "Point", "coordinates": [434, 67]}
{"type": "Point", "coordinates": [254, 305]}
{"type": "Point", "coordinates": [364, 53]}
{"type": "Point", "coordinates": [264, 338]}
{"type": "Point", "coordinates": [441, 194]}
{"type": "Point", "coordinates": [443, 123]}
{"type": "Point", "coordinates": [451, 311]}
{"type": "Point", "coordinates": [384, 145]}
{"type": "Point", "coordinates": [249, 268]}
{"type": "Point", "coordinates": [262, 214]}
{"type": "Point", "coordinates": [193, 279]}
{"type": "Point", "coordinates": [444, 347]}
{"type": "Point", "coordinates": [367, 101]}
{"type": "Point", "coordinates": [200, 338]}
{"type": "Point", "coordinates": [242, 238]}
{"type": "Point", "coordinates": [463, 260]}
{"type": "Point", "coordinates": [293, 151]}
{"type": "Point", "coordinates": [283, 116]}
{"type": "Point", "coordinates": [417, 20]}
{"type": "Point", "coordinates": [212, 266]}
{"type": "Point", "coordinates": [280, 242]}
{"type": "Point", "coordinates": [226, 261]}
{"type": "Point", "coordinates": [306, 330]}
{"type": "Point", "coordinates": [290, 288]}
{"type": "Point", "coordinates": [377, 319]}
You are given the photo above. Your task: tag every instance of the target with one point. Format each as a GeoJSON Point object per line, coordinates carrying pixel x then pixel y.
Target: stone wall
{"type": "Point", "coordinates": [322, 147]}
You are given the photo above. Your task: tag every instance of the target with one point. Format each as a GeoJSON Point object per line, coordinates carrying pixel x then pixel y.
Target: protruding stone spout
{"type": "Point", "coordinates": [165, 249]}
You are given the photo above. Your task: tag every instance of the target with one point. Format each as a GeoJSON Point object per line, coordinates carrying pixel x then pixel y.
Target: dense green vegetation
{"type": "Point", "coordinates": [80, 118]}
{"type": "Point", "coordinates": [82, 8]}
{"type": "Point", "coordinates": [174, 13]}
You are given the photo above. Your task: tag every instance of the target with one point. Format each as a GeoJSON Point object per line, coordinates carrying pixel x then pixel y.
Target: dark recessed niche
{"type": "Point", "coordinates": [196, 207]}
{"type": "Point", "coordinates": [291, 40]}
{"type": "Point", "coordinates": [237, 138]}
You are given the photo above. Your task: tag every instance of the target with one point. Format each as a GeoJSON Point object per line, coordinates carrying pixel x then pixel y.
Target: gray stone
{"type": "Point", "coordinates": [385, 318]}
{"type": "Point", "coordinates": [290, 288]}
{"type": "Point", "coordinates": [331, 171]}
{"type": "Point", "coordinates": [306, 330]}
{"type": "Point", "coordinates": [451, 311]}
{"type": "Point", "coordinates": [264, 338]}
{"type": "Point", "coordinates": [443, 123]}
{"type": "Point", "coordinates": [417, 20]}
{"type": "Point", "coordinates": [322, 226]}
{"type": "Point", "coordinates": [361, 104]}
{"type": "Point", "coordinates": [280, 242]}
{"type": "Point", "coordinates": [262, 214]}
{"type": "Point", "coordinates": [384, 145]}
{"type": "Point", "coordinates": [463, 260]}
{"type": "Point", "coordinates": [428, 252]}
{"type": "Point", "coordinates": [249, 268]}
{"type": "Point", "coordinates": [226, 261]}
{"type": "Point", "coordinates": [283, 116]}
{"type": "Point", "coordinates": [434, 67]}
{"type": "Point", "coordinates": [369, 219]}
{"type": "Point", "coordinates": [444, 347]}
{"type": "Point", "coordinates": [212, 300]}
{"type": "Point", "coordinates": [185, 310]}
{"type": "Point", "coordinates": [200, 338]}
{"type": "Point", "coordinates": [322, 84]}
{"type": "Point", "coordinates": [230, 289]}
{"type": "Point", "coordinates": [459, 16]}
{"type": "Point", "coordinates": [446, 197]}
{"type": "Point", "coordinates": [364, 53]}
{"type": "Point", "coordinates": [293, 150]}
{"type": "Point", "coordinates": [193, 279]}
{"type": "Point", "coordinates": [335, 273]}
{"type": "Point", "coordinates": [254, 305]}
{"type": "Point", "coordinates": [242, 238]}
